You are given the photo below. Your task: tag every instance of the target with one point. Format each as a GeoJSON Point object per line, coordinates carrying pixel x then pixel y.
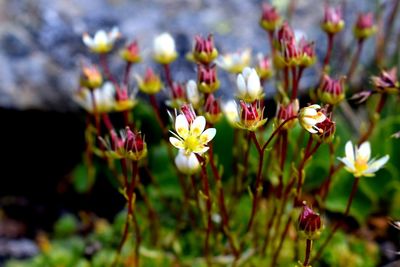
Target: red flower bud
{"type": "Point", "coordinates": [333, 21]}
{"type": "Point", "coordinates": [386, 81]}
{"type": "Point", "coordinates": [131, 52]}
{"type": "Point", "coordinates": [207, 78]}
{"type": "Point", "coordinates": [212, 109]}
{"type": "Point", "coordinates": [270, 18]}
{"type": "Point", "coordinates": [204, 50]}
{"type": "Point", "coordinates": [178, 92]}
{"type": "Point", "coordinates": [309, 222]}
{"type": "Point", "coordinates": [189, 113]}
{"type": "Point", "coordinates": [285, 33]}
{"type": "Point", "coordinates": [364, 26]}
{"type": "Point", "coordinates": [331, 91]}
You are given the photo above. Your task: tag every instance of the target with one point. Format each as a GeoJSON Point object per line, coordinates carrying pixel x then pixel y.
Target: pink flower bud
{"type": "Point", "coordinates": [309, 222]}
{"type": "Point", "coordinates": [189, 113]}
{"type": "Point", "coordinates": [270, 18]}
{"type": "Point", "coordinates": [207, 78]}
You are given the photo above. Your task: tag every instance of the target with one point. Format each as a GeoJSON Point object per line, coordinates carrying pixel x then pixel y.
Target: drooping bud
{"type": "Point", "coordinates": [386, 82]}
{"type": "Point", "coordinates": [251, 116]}
{"type": "Point", "coordinates": [249, 86]}
{"type": "Point", "coordinates": [207, 80]}
{"type": "Point", "coordinates": [187, 164]}
{"type": "Point", "coordinates": [90, 77]}
{"type": "Point", "coordinates": [164, 51]}
{"type": "Point", "coordinates": [212, 109]}
{"type": "Point", "coordinates": [309, 222]}
{"type": "Point", "coordinates": [333, 21]}
{"type": "Point", "coordinates": [131, 53]}
{"type": "Point", "coordinates": [270, 18]}
{"type": "Point", "coordinates": [364, 26]}
{"type": "Point", "coordinates": [331, 91]}
{"type": "Point", "coordinates": [150, 84]}
{"type": "Point", "coordinates": [204, 51]}
{"type": "Point", "coordinates": [134, 146]}
{"type": "Point", "coordinates": [287, 111]}
{"type": "Point", "coordinates": [264, 67]}
{"type": "Point", "coordinates": [310, 116]}
{"type": "Point", "coordinates": [189, 113]}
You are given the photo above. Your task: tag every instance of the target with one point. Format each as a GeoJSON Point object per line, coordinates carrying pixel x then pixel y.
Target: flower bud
{"type": "Point", "coordinates": [231, 112]}
{"type": "Point", "coordinates": [386, 82]}
{"type": "Point", "coordinates": [270, 18]}
{"type": "Point", "coordinates": [150, 84]}
{"type": "Point", "coordinates": [187, 164]}
{"type": "Point", "coordinates": [90, 77]}
{"type": "Point", "coordinates": [164, 49]}
{"type": "Point", "coordinates": [364, 27]}
{"type": "Point", "coordinates": [285, 33]}
{"type": "Point", "coordinates": [212, 110]}
{"type": "Point", "coordinates": [306, 55]}
{"type": "Point", "coordinates": [193, 94]}
{"type": "Point", "coordinates": [264, 67]}
{"type": "Point", "coordinates": [331, 91]}
{"type": "Point", "coordinates": [135, 147]}
{"type": "Point", "coordinates": [207, 78]}
{"type": "Point", "coordinates": [333, 21]}
{"type": "Point", "coordinates": [287, 111]}
{"type": "Point", "coordinates": [251, 116]}
{"type": "Point", "coordinates": [249, 86]}
{"type": "Point", "coordinates": [327, 133]}
{"type": "Point", "coordinates": [189, 113]}
{"type": "Point", "coordinates": [131, 53]}
{"type": "Point", "coordinates": [204, 51]}
{"type": "Point", "coordinates": [309, 222]}
{"type": "Point", "coordinates": [124, 100]}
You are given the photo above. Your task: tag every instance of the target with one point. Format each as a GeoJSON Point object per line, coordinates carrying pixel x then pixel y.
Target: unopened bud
{"type": "Point", "coordinates": [364, 27]}
{"type": "Point", "coordinates": [131, 53]}
{"type": "Point", "coordinates": [204, 51]}
{"type": "Point", "coordinates": [207, 79]}
{"type": "Point", "coordinates": [309, 222]}
{"type": "Point", "coordinates": [270, 18]}
{"type": "Point", "coordinates": [331, 91]}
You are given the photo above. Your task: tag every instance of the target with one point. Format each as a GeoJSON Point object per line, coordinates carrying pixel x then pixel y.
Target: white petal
{"type": "Point", "coordinates": [87, 40]}
{"type": "Point", "coordinates": [364, 151]}
{"type": "Point", "coordinates": [208, 135]}
{"type": "Point", "coordinates": [193, 162]}
{"type": "Point", "coordinates": [101, 37]}
{"type": "Point", "coordinates": [374, 166]}
{"type": "Point", "coordinates": [349, 164]}
{"type": "Point", "coordinates": [254, 84]}
{"type": "Point", "coordinates": [176, 142]}
{"type": "Point", "coordinates": [192, 93]}
{"type": "Point", "coordinates": [309, 121]}
{"type": "Point", "coordinates": [349, 150]}
{"type": "Point", "coordinates": [241, 84]}
{"type": "Point", "coordinates": [246, 72]}
{"type": "Point", "coordinates": [201, 150]}
{"type": "Point", "coordinates": [320, 117]}
{"type": "Point", "coordinates": [315, 106]}
{"type": "Point", "coordinates": [181, 125]}
{"type": "Point", "coordinates": [198, 125]}
{"type": "Point", "coordinates": [114, 34]}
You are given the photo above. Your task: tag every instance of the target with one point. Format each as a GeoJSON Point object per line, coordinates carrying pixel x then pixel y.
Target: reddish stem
{"type": "Point", "coordinates": [328, 51]}
{"type": "Point", "coordinates": [107, 72]}
{"type": "Point", "coordinates": [308, 252]}
{"type": "Point", "coordinates": [168, 75]}
{"type": "Point", "coordinates": [355, 60]}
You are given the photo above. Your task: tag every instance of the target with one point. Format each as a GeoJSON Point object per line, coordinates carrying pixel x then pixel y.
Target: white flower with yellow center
{"type": "Point", "coordinates": [249, 85]}
{"type": "Point", "coordinates": [310, 116]}
{"type": "Point", "coordinates": [102, 42]}
{"type": "Point", "coordinates": [191, 137]}
{"type": "Point", "coordinates": [357, 160]}
{"type": "Point", "coordinates": [164, 51]}
{"type": "Point", "coordinates": [187, 164]}
{"type": "Point", "coordinates": [234, 62]}
{"type": "Point", "coordinates": [104, 99]}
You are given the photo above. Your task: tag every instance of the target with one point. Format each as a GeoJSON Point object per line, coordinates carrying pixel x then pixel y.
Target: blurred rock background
{"type": "Point", "coordinates": [41, 43]}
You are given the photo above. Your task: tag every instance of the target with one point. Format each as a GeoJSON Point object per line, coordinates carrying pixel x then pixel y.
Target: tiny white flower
{"type": "Point", "coordinates": [357, 160]}
{"type": "Point", "coordinates": [164, 50]}
{"type": "Point", "coordinates": [231, 111]}
{"type": "Point", "coordinates": [193, 94]}
{"type": "Point", "coordinates": [249, 85]}
{"type": "Point", "coordinates": [102, 42]}
{"type": "Point", "coordinates": [234, 62]}
{"type": "Point", "coordinates": [104, 99]}
{"type": "Point", "coordinates": [187, 164]}
{"type": "Point", "coordinates": [310, 116]}
{"type": "Point", "coordinates": [192, 137]}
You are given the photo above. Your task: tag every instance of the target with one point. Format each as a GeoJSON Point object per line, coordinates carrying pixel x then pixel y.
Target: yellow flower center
{"type": "Point", "coordinates": [192, 143]}
{"type": "Point", "coordinates": [361, 165]}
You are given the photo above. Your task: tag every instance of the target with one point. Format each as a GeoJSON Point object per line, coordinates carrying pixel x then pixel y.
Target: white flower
{"type": "Point", "coordinates": [234, 62]}
{"type": "Point", "coordinates": [104, 99]}
{"type": "Point", "coordinates": [102, 42]}
{"type": "Point", "coordinates": [192, 94]}
{"type": "Point", "coordinates": [191, 137]}
{"type": "Point", "coordinates": [310, 116]}
{"type": "Point", "coordinates": [187, 164]}
{"type": "Point", "coordinates": [249, 85]}
{"type": "Point", "coordinates": [357, 160]}
{"type": "Point", "coordinates": [231, 111]}
{"type": "Point", "coordinates": [164, 48]}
